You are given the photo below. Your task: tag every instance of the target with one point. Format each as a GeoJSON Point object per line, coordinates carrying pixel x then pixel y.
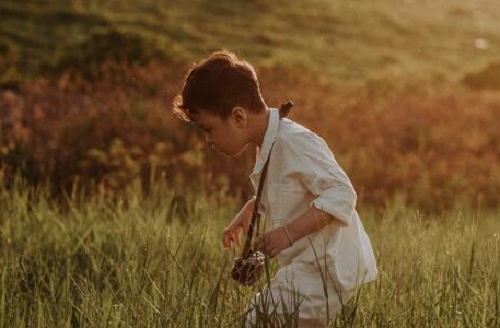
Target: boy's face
{"type": "Point", "coordinates": [228, 135]}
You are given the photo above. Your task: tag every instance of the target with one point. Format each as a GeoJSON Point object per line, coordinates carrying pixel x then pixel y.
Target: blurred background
{"type": "Point", "coordinates": [405, 92]}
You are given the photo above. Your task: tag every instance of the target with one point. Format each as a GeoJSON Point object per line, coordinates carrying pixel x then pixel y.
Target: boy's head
{"type": "Point", "coordinates": [219, 94]}
{"type": "Point", "coordinates": [218, 84]}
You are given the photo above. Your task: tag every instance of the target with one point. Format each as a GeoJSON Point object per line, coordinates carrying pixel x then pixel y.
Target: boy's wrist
{"type": "Point", "coordinates": [249, 206]}
{"type": "Point", "coordinates": [246, 212]}
{"type": "Point", "coordinates": [289, 236]}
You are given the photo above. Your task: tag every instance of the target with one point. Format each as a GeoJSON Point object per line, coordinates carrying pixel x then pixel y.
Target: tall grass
{"type": "Point", "coordinates": [157, 261]}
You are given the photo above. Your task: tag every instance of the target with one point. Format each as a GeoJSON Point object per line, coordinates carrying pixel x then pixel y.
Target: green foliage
{"type": "Point", "coordinates": [119, 163]}
{"type": "Point", "coordinates": [110, 48]}
{"type": "Point", "coordinates": [148, 262]}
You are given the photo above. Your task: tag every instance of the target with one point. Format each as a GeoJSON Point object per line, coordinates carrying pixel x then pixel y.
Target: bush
{"type": "Point", "coordinates": [434, 146]}
{"type": "Point", "coordinates": [105, 133]}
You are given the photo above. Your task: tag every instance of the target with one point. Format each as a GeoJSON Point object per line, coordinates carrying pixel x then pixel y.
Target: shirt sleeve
{"type": "Point", "coordinates": [314, 164]}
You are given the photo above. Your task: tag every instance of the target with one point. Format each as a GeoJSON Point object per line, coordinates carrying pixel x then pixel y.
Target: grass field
{"type": "Point", "coordinates": [140, 247]}
{"type": "Point", "coordinates": [345, 40]}
{"type": "Point", "coordinates": [158, 262]}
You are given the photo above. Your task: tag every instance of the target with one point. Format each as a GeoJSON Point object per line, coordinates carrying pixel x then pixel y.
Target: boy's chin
{"type": "Point", "coordinates": [237, 153]}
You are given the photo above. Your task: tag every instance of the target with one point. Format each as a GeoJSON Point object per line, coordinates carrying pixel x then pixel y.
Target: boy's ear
{"type": "Point", "coordinates": [239, 116]}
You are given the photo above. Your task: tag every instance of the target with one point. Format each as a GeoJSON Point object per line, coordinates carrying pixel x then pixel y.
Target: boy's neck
{"type": "Point", "coordinates": [259, 124]}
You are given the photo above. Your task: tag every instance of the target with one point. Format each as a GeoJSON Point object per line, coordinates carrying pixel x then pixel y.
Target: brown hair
{"type": "Point", "coordinates": [218, 84]}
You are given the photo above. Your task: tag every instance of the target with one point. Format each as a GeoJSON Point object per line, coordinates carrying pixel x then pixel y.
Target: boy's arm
{"type": "Point", "coordinates": [311, 221]}
{"type": "Point", "coordinates": [262, 207]}
{"type": "Point", "coordinates": [248, 207]}
{"type": "Point", "coordinates": [276, 240]}
{"type": "Point", "coordinates": [244, 216]}
{"type": "Point", "coordinates": [309, 159]}
{"type": "Point", "coordinates": [240, 223]}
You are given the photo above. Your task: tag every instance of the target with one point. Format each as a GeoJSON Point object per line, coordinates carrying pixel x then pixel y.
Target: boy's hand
{"type": "Point", "coordinates": [272, 242]}
{"type": "Point", "coordinates": [231, 234]}
{"type": "Point", "coordinates": [241, 222]}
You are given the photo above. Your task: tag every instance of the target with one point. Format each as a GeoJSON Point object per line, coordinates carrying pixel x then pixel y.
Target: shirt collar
{"type": "Point", "coordinates": [269, 138]}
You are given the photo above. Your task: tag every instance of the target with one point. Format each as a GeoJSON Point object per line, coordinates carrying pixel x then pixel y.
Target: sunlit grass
{"type": "Point", "coordinates": [138, 263]}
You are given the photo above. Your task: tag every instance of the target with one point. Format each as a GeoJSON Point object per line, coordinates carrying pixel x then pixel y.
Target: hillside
{"type": "Point", "coordinates": [346, 40]}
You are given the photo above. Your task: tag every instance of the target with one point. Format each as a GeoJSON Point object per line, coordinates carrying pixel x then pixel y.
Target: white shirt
{"type": "Point", "coordinates": [303, 173]}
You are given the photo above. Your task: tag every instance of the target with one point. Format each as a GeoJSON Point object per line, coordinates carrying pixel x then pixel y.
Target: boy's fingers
{"type": "Point", "coordinates": [227, 241]}
{"type": "Point", "coordinates": [260, 241]}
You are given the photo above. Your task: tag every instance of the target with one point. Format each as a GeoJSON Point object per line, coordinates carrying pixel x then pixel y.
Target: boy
{"type": "Point", "coordinates": [312, 226]}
